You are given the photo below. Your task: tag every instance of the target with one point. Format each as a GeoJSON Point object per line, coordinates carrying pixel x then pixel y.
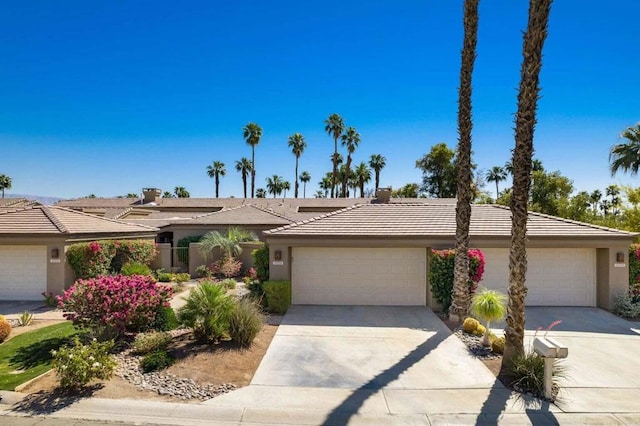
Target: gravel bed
{"type": "Point", "coordinates": [474, 345]}
{"type": "Point", "coordinates": [128, 368]}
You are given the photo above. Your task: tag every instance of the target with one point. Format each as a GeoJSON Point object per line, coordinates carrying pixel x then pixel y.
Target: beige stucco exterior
{"type": "Point", "coordinates": [612, 277]}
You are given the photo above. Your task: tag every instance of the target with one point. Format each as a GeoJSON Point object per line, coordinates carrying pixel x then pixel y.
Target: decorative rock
{"type": "Point", "coordinates": [474, 344]}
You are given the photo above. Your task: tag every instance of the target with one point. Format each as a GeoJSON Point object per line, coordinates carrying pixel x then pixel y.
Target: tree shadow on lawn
{"type": "Point", "coordinates": [49, 402]}
{"type": "Point", "coordinates": [350, 406]}
{"type": "Point", "coordinates": [37, 353]}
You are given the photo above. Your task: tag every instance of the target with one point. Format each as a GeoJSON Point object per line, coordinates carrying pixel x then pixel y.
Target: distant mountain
{"type": "Point", "coordinates": [40, 198]}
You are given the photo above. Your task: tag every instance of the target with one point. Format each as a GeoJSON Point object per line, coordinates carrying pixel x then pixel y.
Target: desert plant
{"type": "Point", "coordinates": [165, 319]}
{"type": "Point", "coordinates": [164, 277]}
{"type": "Point", "coordinates": [624, 306]}
{"type": "Point", "coordinates": [89, 260]}
{"type": "Point", "coordinates": [77, 365]}
{"type": "Point", "coordinates": [181, 278]}
{"type": "Point", "coordinates": [470, 325]}
{"type": "Point", "coordinates": [497, 345]}
{"type": "Point", "coordinates": [480, 330]}
{"type": "Point", "coordinates": [227, 267]}
{"type": "Point", "coordinates": [157, 360]}
{"type": "Point", "coordinates": [441, 273]}
{"type": "Point", "coordinates": [261, 262]}
{"type": "Point", "coordinates": [5, 328]}
{"type": "Point", "coordinates": [203, 271]}
{"type": "Point", "coordinates": [278, 295]}
{"type": "Point", "coordinates": [246, 322]}
{"type": "Point", "coordinates": [150, 342]}
{"type": "Point", "coordinates": [526, 373]}
{"type": "Point", "coordinates": [229, 244]}
{"type": "Point", "coordinates": [25, 319]}
{"type": "Point", "coordinates": [110, 306]}
{"type": "Point", "coordinates": [488, 305]}
{"type": "Point", "coordinates": [135, 268]}
{"type": "Point", "coordinates": [229, 283]}
{"type": "Point", "coordinates": [207, 310]}
{"type": "Point", "coordinates": [49, 300]}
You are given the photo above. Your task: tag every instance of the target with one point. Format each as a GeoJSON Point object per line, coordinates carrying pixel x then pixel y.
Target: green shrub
{"type": "Point", "coordinates": [246, 322]}
{"type": "Point", "coordinates": [278, 295]}
{"type": "Point", "coordinates": [77, 365]}
{"type": "Point", "coordinates": [89, 260]}
{"type": "Point", "coordinates": [164, 277]}
{"type": "Point", "coordinates": [261, 262]}
{"type": "Point", "coordinates": [181, 278]}
{"type": "Point", "coordinates": [151, 342]}
{"type": "Point", "coordinates": [158, 360]}
{"type": "Point", "coordinates": [135, 268]}
{"type": "Point", "coordinates": [203, 271]}
{"type": "Point", "coordinates": [229, 283]}
{"type": "Point", "coordinates": [624, 306]}
{"type": "Point", "coordinates": [526, 372]}
{"type": "Point", "coordinates": [208, 311]}
{"type": "Point", "coordinates": [441, 273]}
{"type": "Point", "coordinates": [183, 247]}
{"type": "Point", "coordinates": [165, 319]}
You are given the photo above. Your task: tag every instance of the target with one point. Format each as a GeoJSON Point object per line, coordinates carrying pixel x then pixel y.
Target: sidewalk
{"type": "Point", "coordinates": [269, 405]}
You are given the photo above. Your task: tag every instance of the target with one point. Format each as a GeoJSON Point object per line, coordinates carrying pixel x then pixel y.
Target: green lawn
{"type": "Point", "coordinates": [28, 355]}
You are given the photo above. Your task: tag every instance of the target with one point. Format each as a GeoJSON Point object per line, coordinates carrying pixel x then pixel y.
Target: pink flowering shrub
{"type": "Point", "coordinates": [226, 267]}
{"type": "Point", "coordinates": [441, 273]}
{"type": "Point", "coordinates": [90, 260]}
{"type": "Point", "coordinates": [112, 305]}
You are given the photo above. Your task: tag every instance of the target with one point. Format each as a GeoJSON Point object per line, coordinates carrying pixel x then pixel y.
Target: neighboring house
{"type": "Point", "coordinates": [33, 241]}
{"type": "Point", "coordinates": [378, 254]}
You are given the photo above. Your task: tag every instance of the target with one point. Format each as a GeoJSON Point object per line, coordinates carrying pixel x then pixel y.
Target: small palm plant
{"type": "Point", "coordinates": [229, 244]}
{"type": "Point", "coordinates": [489, 305]}
{"type": "Point", "coordinates": [208, 311]}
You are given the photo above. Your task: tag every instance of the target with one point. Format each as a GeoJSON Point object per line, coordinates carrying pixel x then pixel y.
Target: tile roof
{"type": "Point", "coordinates": [12, 203]}
{"type": "Point", "coordinates": [240, 215]}
{"type": "Point", "coordinates": [435, 220]}
{"type": "Point", "coordinates": [59, 220]}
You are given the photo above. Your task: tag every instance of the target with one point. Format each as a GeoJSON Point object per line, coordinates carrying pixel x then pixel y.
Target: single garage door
{"type": "Point", "coordinates": [359, 276]}
{"type": "Point", "coordinates": [555, 277]}
{"type": "Point", "coordinates": [23, 272]}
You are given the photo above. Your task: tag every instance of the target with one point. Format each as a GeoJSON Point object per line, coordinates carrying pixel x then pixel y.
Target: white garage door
{"type": "Point", "coordinates": [23, 272]}
{"type": "Point", "coordinates": [555, 277]}
{"type": "Point", "coordinates": [358, 276]}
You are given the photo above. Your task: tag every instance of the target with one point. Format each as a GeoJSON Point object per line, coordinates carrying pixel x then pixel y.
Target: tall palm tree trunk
{"type": "Point", "coordinates": [244, 184]}
{"type": "Point", "coordinates": [296, 185]}
{"type": "Point", "coordinates": [217, 184]}
{"type": "Point", "coordinates": [460, 296]}
{"type": "Point", "coordinates": [528, 94]}
{"type": "Point", "coordinates": [377, 179]}
{"type": "Point", "coordinates": [345, 179]}
{"type": "Point", "coordinates": [497, 191]}
{"type": "Point", "coordinates": [335, 167]}
{"type": "Point", "coordinates": [304, 189]}
{"type": "Point", "coordinates": [253, 172]}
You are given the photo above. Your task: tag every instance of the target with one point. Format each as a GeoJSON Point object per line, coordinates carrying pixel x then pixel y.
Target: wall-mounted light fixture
{"type": "Point", "coordinates": [620, 257]}
{"type": "Point", "coordinates": [277, 255]}
{"type": "Point", "coordinates": [55, 253]}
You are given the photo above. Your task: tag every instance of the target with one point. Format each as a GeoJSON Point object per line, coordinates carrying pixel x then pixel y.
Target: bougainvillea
{"type": "Point", "coordinates": [441, 273]}
{"type": "Point", "coordinates": [90, 260]}
{"type": "Point", "coordinates": [112, 305]}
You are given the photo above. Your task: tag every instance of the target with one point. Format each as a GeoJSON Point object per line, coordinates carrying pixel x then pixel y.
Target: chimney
{"type": "Point", "coordinates": [383, 195]}
{"type": "Point", "coordinates": [150, 194]}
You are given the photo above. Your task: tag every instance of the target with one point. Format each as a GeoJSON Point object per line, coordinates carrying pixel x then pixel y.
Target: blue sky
{"type": "Point", "coordinates": [108, 97]}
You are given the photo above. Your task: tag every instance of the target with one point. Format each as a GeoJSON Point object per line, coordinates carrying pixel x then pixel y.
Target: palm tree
{"type": "Point", "coordinates": [274, 185]}
{"type": "Point", "coordinates": [595, 198]}
{"type": "Point", "coordinates": [167, 194]}
{"type": "Point", "coordinates": [252, 134]}
{"type": "Point", "coordinates": [496, 174]}
{"type": "Point", "coordinates": [528, 95]}
{"type": "Point", "coordinates": [377, 163]}
{"type": "Point", "coordinates": [305, 178]}
{"type": "Point", "coordinates": [286, 186]}
{"type": "Point", "coordinates": [5, 183]}
{"type": "Point", "coordinates": [613, 191]}
{"type": "Point", "coordinates": [626, 156]}
{"type": "Point", "coordinates": [244, 167]}
{"type": "Point", "coordinates": [350, 139]}
{"type": "Point", "coordinates": [261, 193]}
{"type": "Point", "coordinates": [181, 192]}
{"type": "Point", "coordinates": [489, 305]}
{"type": "Point", "coordinates": [215, 171]}
{"type": "Point", "coordinates": [325, 184]}
{"type": "Point", "coordinates": [334, 126]}
{"type": "Point", "coordinates": [208, 311]}
{"type": "Point", "coordinates": [363, 175]}
{"type": "Point", "coordinates": [460, 299]}
{"type": "Point", "coordinates": [320, 194]}
{"type": "Point", "coordinates": [297, 145]}
{"type": "Point", "coordinates": [229, 244]}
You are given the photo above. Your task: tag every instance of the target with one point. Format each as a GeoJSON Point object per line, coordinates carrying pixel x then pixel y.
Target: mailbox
{"type": "Point", "coordinates": [549, 348]}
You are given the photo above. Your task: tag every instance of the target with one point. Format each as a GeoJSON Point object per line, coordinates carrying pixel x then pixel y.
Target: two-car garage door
{"type": "Point", "coordinates": [397, 276]}
{"type": "Point", "coordinates": [23, 272]}
{"type": "Point", "coordinates": [359, 276]}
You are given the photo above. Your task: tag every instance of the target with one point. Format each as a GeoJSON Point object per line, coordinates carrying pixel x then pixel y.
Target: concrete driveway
{"type": "Point", "coordinates": [368, 347]}
{"type": "Point", "coordinates": [603, 367]}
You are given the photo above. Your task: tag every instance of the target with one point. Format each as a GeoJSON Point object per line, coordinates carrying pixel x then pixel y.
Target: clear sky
{"type": "Point", "coordinates": [107, 97]}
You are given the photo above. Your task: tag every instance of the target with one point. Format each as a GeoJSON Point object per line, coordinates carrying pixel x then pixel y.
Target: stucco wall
{"type": "Point", "coordinates": [196, 258]}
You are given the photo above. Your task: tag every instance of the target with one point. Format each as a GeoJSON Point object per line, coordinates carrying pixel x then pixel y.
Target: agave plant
{"type": "Point", "coordinates": [489, 305]}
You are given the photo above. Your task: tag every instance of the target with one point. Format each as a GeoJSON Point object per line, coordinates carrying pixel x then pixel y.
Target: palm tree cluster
{"type": "Point", "coordinates": [5, 183]}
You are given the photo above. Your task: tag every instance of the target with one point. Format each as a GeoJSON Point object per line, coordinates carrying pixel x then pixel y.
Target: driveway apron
{"type": "Point", "coordinates": [368, 347]}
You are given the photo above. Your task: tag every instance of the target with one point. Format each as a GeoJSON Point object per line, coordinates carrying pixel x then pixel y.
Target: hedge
{"type": "Point", "coordinates": [90, 260]}
{"type": "Point", "coordinates": [441, 273]}
{"type": "Point", "coordinates": [278, 296]}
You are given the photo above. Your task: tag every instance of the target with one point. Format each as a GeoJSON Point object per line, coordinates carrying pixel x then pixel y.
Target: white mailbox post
{"type": "Point", "coordinates": [549, 349]}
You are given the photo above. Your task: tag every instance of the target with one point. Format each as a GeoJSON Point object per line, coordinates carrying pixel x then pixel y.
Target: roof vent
{"type": "Point", "coordinates": [150, 194]}
{"type": "Point", "coordinates": [383, 195]}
